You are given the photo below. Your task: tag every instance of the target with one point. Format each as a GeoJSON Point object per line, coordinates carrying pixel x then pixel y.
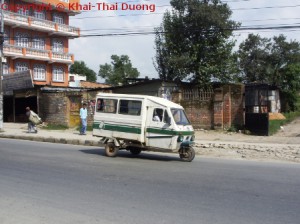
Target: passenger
{"type": "Point", "coordinates": [155, 117]}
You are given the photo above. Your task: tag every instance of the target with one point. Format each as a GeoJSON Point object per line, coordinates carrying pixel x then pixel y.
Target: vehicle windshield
{"type": "Point", "coordinates": [180, 117]}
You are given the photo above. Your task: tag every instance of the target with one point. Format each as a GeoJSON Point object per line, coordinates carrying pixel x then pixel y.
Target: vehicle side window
{"type": "Point", "coordinates": [106, 105]}
{"type": "Point", "coordinates": [130, 107]}
{"type": "Point", "coordinates": [157, 114]}
{"type": "Point", "coordinates": [167, 118]}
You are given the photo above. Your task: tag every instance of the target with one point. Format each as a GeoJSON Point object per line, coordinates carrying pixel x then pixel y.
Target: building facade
{"type": "Point", "coordinates": [38, 39]}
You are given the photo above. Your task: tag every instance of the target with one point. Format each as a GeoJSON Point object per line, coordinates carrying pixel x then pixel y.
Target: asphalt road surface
{"type": "Point", "coordinates": [44, 183]}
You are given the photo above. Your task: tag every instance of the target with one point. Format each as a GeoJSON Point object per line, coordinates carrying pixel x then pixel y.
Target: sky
{"type": "Point", "coordinates": [104, 19]}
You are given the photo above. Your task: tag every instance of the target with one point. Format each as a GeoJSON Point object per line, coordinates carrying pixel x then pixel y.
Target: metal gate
{"type": "Point", "coordinates": [257, 123]}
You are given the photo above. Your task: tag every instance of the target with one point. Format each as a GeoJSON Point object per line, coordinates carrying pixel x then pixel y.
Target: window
{"type": "Point", "coordinates": [39, 72]}
{"type": "Point", "coordinates": [161, 115]}
{"type": "Point", "coordinates": [23, 10]}
{"type": "Point", "coordinates": [57, 46]}
{"type": "Point", "coordinates": [6, 37]}
{"type": "Point", "coordinates": [5, 69]}
{"type": "Point", "coordinates": [130, 107]}
{"type": "Point", "coordinates": [39, 14]}
{"type": "Point", "coordinates": [58, 74]}
{"type": "Point", "coordinates": [58, 18]}
{"type": "Point", "coordinates": [72, 78]}
{"type": "Point", "coordinates": [157, 114]}
{"type": "Point", "coordinates": [107, 105]}
{"type": "Point", "coordinates": [21, 66]}
{"type": "Point", "coordinates": [22, 40]}
{"type": "Point", "coordinates": [38, 43]}
{"type": "Point", "coordinates": [180, 116]}
{"type": "Point", "coordinates": [167, 118]}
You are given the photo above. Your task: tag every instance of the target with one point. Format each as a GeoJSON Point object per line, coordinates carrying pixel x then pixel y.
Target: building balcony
{"type": "Point", "coordinates": [37, 54]}
{"type": "Point", "coordinates": [29, 22]}
{"type": "Point", "coordinates": [66, 7]}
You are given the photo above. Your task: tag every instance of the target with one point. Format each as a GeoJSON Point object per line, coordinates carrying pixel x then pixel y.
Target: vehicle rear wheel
{"type": "Point", "coordinates": [111, 150]}
{"type": "Point", "coordinates": [135, 150]}
{"type": "Point", "coordinates": [187, 154]}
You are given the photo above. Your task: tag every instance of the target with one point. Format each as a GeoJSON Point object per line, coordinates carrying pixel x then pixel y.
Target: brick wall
{"type": "Point", "coordinates": [223, 110]}
{"type": "Point", "coordinates": [54, 108]}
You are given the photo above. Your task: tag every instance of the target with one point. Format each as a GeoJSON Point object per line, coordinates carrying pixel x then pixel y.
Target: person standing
{"type": "Point", "coordinates": [31, 125]}
{"type": "Point", "coordinates": [83, 118]}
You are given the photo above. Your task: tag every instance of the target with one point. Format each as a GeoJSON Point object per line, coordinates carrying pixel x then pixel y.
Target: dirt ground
{"type": "Point", "coordinates": [283, 146]}
{"type": "Point", "coordinates": [289, 134]}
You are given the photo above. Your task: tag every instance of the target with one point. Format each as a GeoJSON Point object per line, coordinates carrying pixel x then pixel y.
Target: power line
{"type": "Point", "coordinates": [288, 27]}
{"type": "Point", "coordinates": [154, 13]}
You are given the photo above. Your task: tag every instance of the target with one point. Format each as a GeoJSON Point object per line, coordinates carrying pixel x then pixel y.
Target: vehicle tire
{"type": "Point", "coordinates": [111, 150]}
{"type": "Point", "coordinates": [135, 150]}
{"type": "Point", "coordinates": [187, 154]}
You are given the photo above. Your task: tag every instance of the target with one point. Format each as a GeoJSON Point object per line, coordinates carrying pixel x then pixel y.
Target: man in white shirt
{"type": "Point", "coordinates": [83, 117]}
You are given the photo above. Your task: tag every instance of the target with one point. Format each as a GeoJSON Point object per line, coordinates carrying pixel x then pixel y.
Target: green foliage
{"type": "Point", "coordinates": [253, 54]}
{"type": "Point", "coordinates": [193, 43]}
{"type": "Point", "coordinates": [272, 61]}
{"type": "Point", "coordinates": [118, 71]}
{"type": "Point", "coordinates": [80, 68]}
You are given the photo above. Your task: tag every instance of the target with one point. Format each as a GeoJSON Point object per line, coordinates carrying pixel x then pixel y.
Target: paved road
{"type": "Point", "coordinates": [64, 184]}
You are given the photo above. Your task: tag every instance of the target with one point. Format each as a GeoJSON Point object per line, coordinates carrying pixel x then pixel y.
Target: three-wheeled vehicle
{"type": "Point", "coordinates": [138, 122]}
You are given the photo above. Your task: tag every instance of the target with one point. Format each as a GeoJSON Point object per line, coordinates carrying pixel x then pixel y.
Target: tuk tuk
{"type": "Point", "coordinates": [138, 123]}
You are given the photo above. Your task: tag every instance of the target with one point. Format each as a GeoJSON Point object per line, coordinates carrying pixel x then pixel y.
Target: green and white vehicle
{"type": "Point", "coordinates": [138, 122]}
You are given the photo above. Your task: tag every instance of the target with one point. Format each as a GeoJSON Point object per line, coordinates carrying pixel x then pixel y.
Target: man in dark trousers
{"type": "Point", "coordinates": [31, 125]}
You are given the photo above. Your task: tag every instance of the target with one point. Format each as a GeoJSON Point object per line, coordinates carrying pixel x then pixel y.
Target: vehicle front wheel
{"type": "Point", "coordinates": [111, 150]}
{"type": "Point", "coordinates": [187, 154]}
{"type": "Point", "coordinates": [135, 150]}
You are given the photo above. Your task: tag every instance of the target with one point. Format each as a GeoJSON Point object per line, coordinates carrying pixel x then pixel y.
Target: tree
{"type": "Point", "coordinates": [118, 71]}
{"type": "Point", "coordinates": [253, 54]}
{"type": "Point", "coordinates": [193, 43]}
{"type": "Point", "coordinates": [273, 61]}
{"type": "Point", "coordinates": [80, 68]}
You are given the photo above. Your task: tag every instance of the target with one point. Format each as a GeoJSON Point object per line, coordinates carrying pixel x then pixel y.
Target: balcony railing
{"type": "Point", "coordinates": [37, 54]}
{"type": "Point", "coordinates": [14, 17]}
{"type": "Point", "coordinates": [12, 50]}
{"type": "Point", "coordinates": [62, 56]}
{"type": "Point", "coordinates": [30, 22]}
{"type": "Point", "coordinates": [65, 9]}
{"type": "Point", "coordinates": [46, 24]}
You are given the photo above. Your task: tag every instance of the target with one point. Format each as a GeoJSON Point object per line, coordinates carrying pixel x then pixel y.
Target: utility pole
{"type": "Point", "coordinates": [1, 65]}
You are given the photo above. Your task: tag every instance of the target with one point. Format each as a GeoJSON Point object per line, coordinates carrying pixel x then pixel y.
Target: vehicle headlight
{"type": "Point", "coordinates": [180, 138]}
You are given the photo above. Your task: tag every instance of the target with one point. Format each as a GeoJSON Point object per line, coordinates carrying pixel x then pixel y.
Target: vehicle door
{"type": "Point", "coordinates": [158, 128]}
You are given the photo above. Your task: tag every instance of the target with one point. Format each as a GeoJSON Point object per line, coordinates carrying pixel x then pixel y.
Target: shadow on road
{"type": "Point", "coordinates": [142, 156]}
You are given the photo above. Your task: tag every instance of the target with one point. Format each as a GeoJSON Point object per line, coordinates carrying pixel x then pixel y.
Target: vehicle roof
{"type": "Point", "coordinates": [159, 100]}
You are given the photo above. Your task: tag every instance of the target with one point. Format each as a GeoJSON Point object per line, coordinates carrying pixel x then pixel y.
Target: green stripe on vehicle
{"type": "Point", "coordinates": [120, 128]}
{"type": "Point", "coordinates": [169, 132]}
{"type": "Point", "coordinates": [161, 136]}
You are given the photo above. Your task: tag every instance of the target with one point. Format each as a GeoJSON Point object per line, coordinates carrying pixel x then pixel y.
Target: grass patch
{"type": "Point", "coordinates": [55, 127]}
{"type": "Point", "coordinates": [274, 125]}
